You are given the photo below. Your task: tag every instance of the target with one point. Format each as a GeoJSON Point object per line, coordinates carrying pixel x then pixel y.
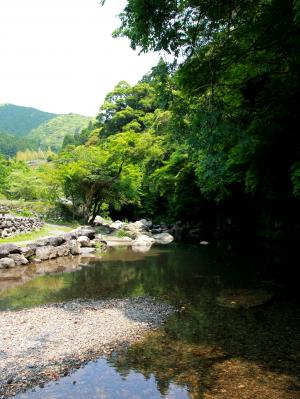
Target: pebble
{"type": "Point", "coordinates": [55, 339]}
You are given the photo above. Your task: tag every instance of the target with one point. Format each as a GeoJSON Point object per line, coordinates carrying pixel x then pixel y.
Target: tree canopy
{"type": "Point", "coordinates": [209, 136]}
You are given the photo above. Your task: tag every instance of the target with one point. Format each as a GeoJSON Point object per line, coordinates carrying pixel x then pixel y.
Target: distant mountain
{"type": "Point", "coordinates": [52, 133]}
{"type": "Point", "coordinates": [19, 121]}
{"type": "Point", "coordinates": [31, 128]}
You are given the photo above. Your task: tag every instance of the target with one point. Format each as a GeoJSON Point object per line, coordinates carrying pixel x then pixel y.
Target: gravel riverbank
{"type": "Point", "coordinates": [44, 343]}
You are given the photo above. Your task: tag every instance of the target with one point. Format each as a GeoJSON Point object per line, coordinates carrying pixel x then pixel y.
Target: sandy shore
{"type": "Point", "coordinates": [44, 343]}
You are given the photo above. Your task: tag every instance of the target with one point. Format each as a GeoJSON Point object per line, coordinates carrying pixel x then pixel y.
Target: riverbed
{"type": "Point", "coordinates": [221, 343]}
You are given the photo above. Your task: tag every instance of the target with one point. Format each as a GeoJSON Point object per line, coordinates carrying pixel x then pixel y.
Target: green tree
{"type": "Point", "coordinates": [93, 176]}
{"type": "Point", "coordinates": [236, 107]}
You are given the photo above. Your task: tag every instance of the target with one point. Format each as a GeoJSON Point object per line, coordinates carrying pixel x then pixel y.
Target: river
{"type": "Point", "coordinates": [216, 346]}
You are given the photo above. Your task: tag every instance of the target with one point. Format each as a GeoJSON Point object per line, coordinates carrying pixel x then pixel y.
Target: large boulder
{"type": "Point", "coordinates": [117, 225]}
{"type": "Point", "coordinates": [55, 241]}
{"type": "Point", "coordinates": [100, 221]}
{"type": "Point", "coordinates": [143, 241]}
{"type": "Point", "coordinates": [85, 231]}
{"type": "Point", "coordinates": [6, 249]}
{"type": "Point", "coordinates": [74, 247]}
{"type": "Point", "coordinates": [113, 241]}
{"type": "Point", "coordinates": [28, 252]}
{"type": "Point", "coordinates": [138, 226]}
{"type": "Point", "coordinates": [63, 250]}
{"type": "Point", "coordinates": [6, 263]}
{"type": "Point", "coordinates": [47, 252]}
{"type": "Point", "coordinates": [84, 241]}
{"type": "Point", "coordinates": [19, 259]}
{"type": "Point", "coordinates": [163, 238]}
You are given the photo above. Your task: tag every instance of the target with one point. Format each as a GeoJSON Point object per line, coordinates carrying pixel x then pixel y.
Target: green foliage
{"type": "Point", "coordinates": [92, 176]}
{"type": "Point", "coordinates": [51, 134]}
{"type": "Point", "coordinates": [233, 100]}
{"type": "Point", "coordinates": [210, 135]}
{"type": "Point", "coordinates": [121, 233]}
{"type": "Point", "coordinates": [125, 108]}
{"type": "Point", "coordinates": [3, 173]}
{"type": "Point", "coordinates": [10, 144]}
{"type": "Point", "coordinates": [31, 183]}
{"type": "Point", "coordinates": [296, 179]}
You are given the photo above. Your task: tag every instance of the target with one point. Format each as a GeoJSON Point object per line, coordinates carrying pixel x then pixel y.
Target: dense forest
{"type": "Point", "coordinates": [210, 136]}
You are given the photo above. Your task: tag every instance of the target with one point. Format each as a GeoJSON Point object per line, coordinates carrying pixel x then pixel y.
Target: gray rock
{"type": "Point", "coordinates": [70, 236]}
{"type": "Point", "coordinates": [74, 247]}
{"type": "Point", "coordinates": [113, 241]}
{"type": "Point", "coordinates": [47, 252]}
{"type": "Point", "coordinates": [84, 231]}
{"type": "Point", "coordinates": [163, 238]}
{"type": "Point", "coordinates": [86, 251]}
{"type": "Point", "coordinates": [84, 241]}
{"type": "Point", "coordinates": [100, 221]}
{"type": "Point", "coordinates": [5, 263]}
{"type": "Point", "coordinates": [55, 241]}
{"type": "Point", "coordinates": [138, 226]}
{"type": "Point", "coordinates": [28, 252]}
{"type": "Point", "coordinates": [19, 259]}
{"type": "Point", "coordinates": [157, 230]}
{"type": "Point", "coordinates": [6, 249]}
{"type": "Point", "coordinates": [143, 241]}
{"type": "Point", "coordinates": [116, 225]}
{"type": "Point", "coordinates": [63, 250]}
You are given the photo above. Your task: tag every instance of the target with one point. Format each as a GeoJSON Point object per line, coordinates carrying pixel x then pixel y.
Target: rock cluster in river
{"type": "Point", "coordinates": [79, 241]}
{"type": "Point", "coordinates": [140, 235]}
{"type": "Point", "coordinates": [83, 241]}
{"type": "Point", "coordinates": [188, 230]}
{"type": "Point", "coordinates": [11, 225]}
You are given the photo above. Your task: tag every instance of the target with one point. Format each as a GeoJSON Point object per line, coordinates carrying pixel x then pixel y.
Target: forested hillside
{"type": "Point", "coordinates": [10, 144]}
{"type": "Point", "coordinates": [210, 137]}
{"type": "Point", "coordinates": [24, 128]}
{"type": "Point", "coordinates": [19, 121]}
{"type": "Point", "coordinates": [51, 134]}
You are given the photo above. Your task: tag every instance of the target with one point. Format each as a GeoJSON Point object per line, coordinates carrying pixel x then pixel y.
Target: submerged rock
{"type": "Point", "coordinates": [87, 250]}
{"type": "Point", "coordinates": [244, 298]}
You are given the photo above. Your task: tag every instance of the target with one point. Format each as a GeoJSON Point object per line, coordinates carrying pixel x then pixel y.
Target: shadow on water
{"type": "Point", "coordinates": [205, 350]}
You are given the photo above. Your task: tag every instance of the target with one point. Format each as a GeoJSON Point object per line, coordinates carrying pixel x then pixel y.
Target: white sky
{"type": "Point", "coordinates": [59, 56]}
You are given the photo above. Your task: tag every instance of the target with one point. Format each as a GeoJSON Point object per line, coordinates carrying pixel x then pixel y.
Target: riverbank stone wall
{"type": "Point", "coordinates": [11, 225]}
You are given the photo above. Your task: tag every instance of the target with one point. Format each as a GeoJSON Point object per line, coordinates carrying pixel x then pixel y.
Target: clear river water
{"type": "Point", "coordinates": [218, 345]}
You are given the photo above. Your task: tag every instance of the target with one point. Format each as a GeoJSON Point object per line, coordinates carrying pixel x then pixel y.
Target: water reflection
{"type": "Point", "coordinates": [205, 350]}
{"type": "Point", "coordinates": [99, 381]}
{"type": "Point", "coordinates": [173, 274]}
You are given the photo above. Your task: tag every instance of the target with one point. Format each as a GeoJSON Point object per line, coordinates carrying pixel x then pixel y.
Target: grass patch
{"type": "Point", "coordinates": [47, 230]}
{"type": "Point", "coordinates": [121, 233]}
